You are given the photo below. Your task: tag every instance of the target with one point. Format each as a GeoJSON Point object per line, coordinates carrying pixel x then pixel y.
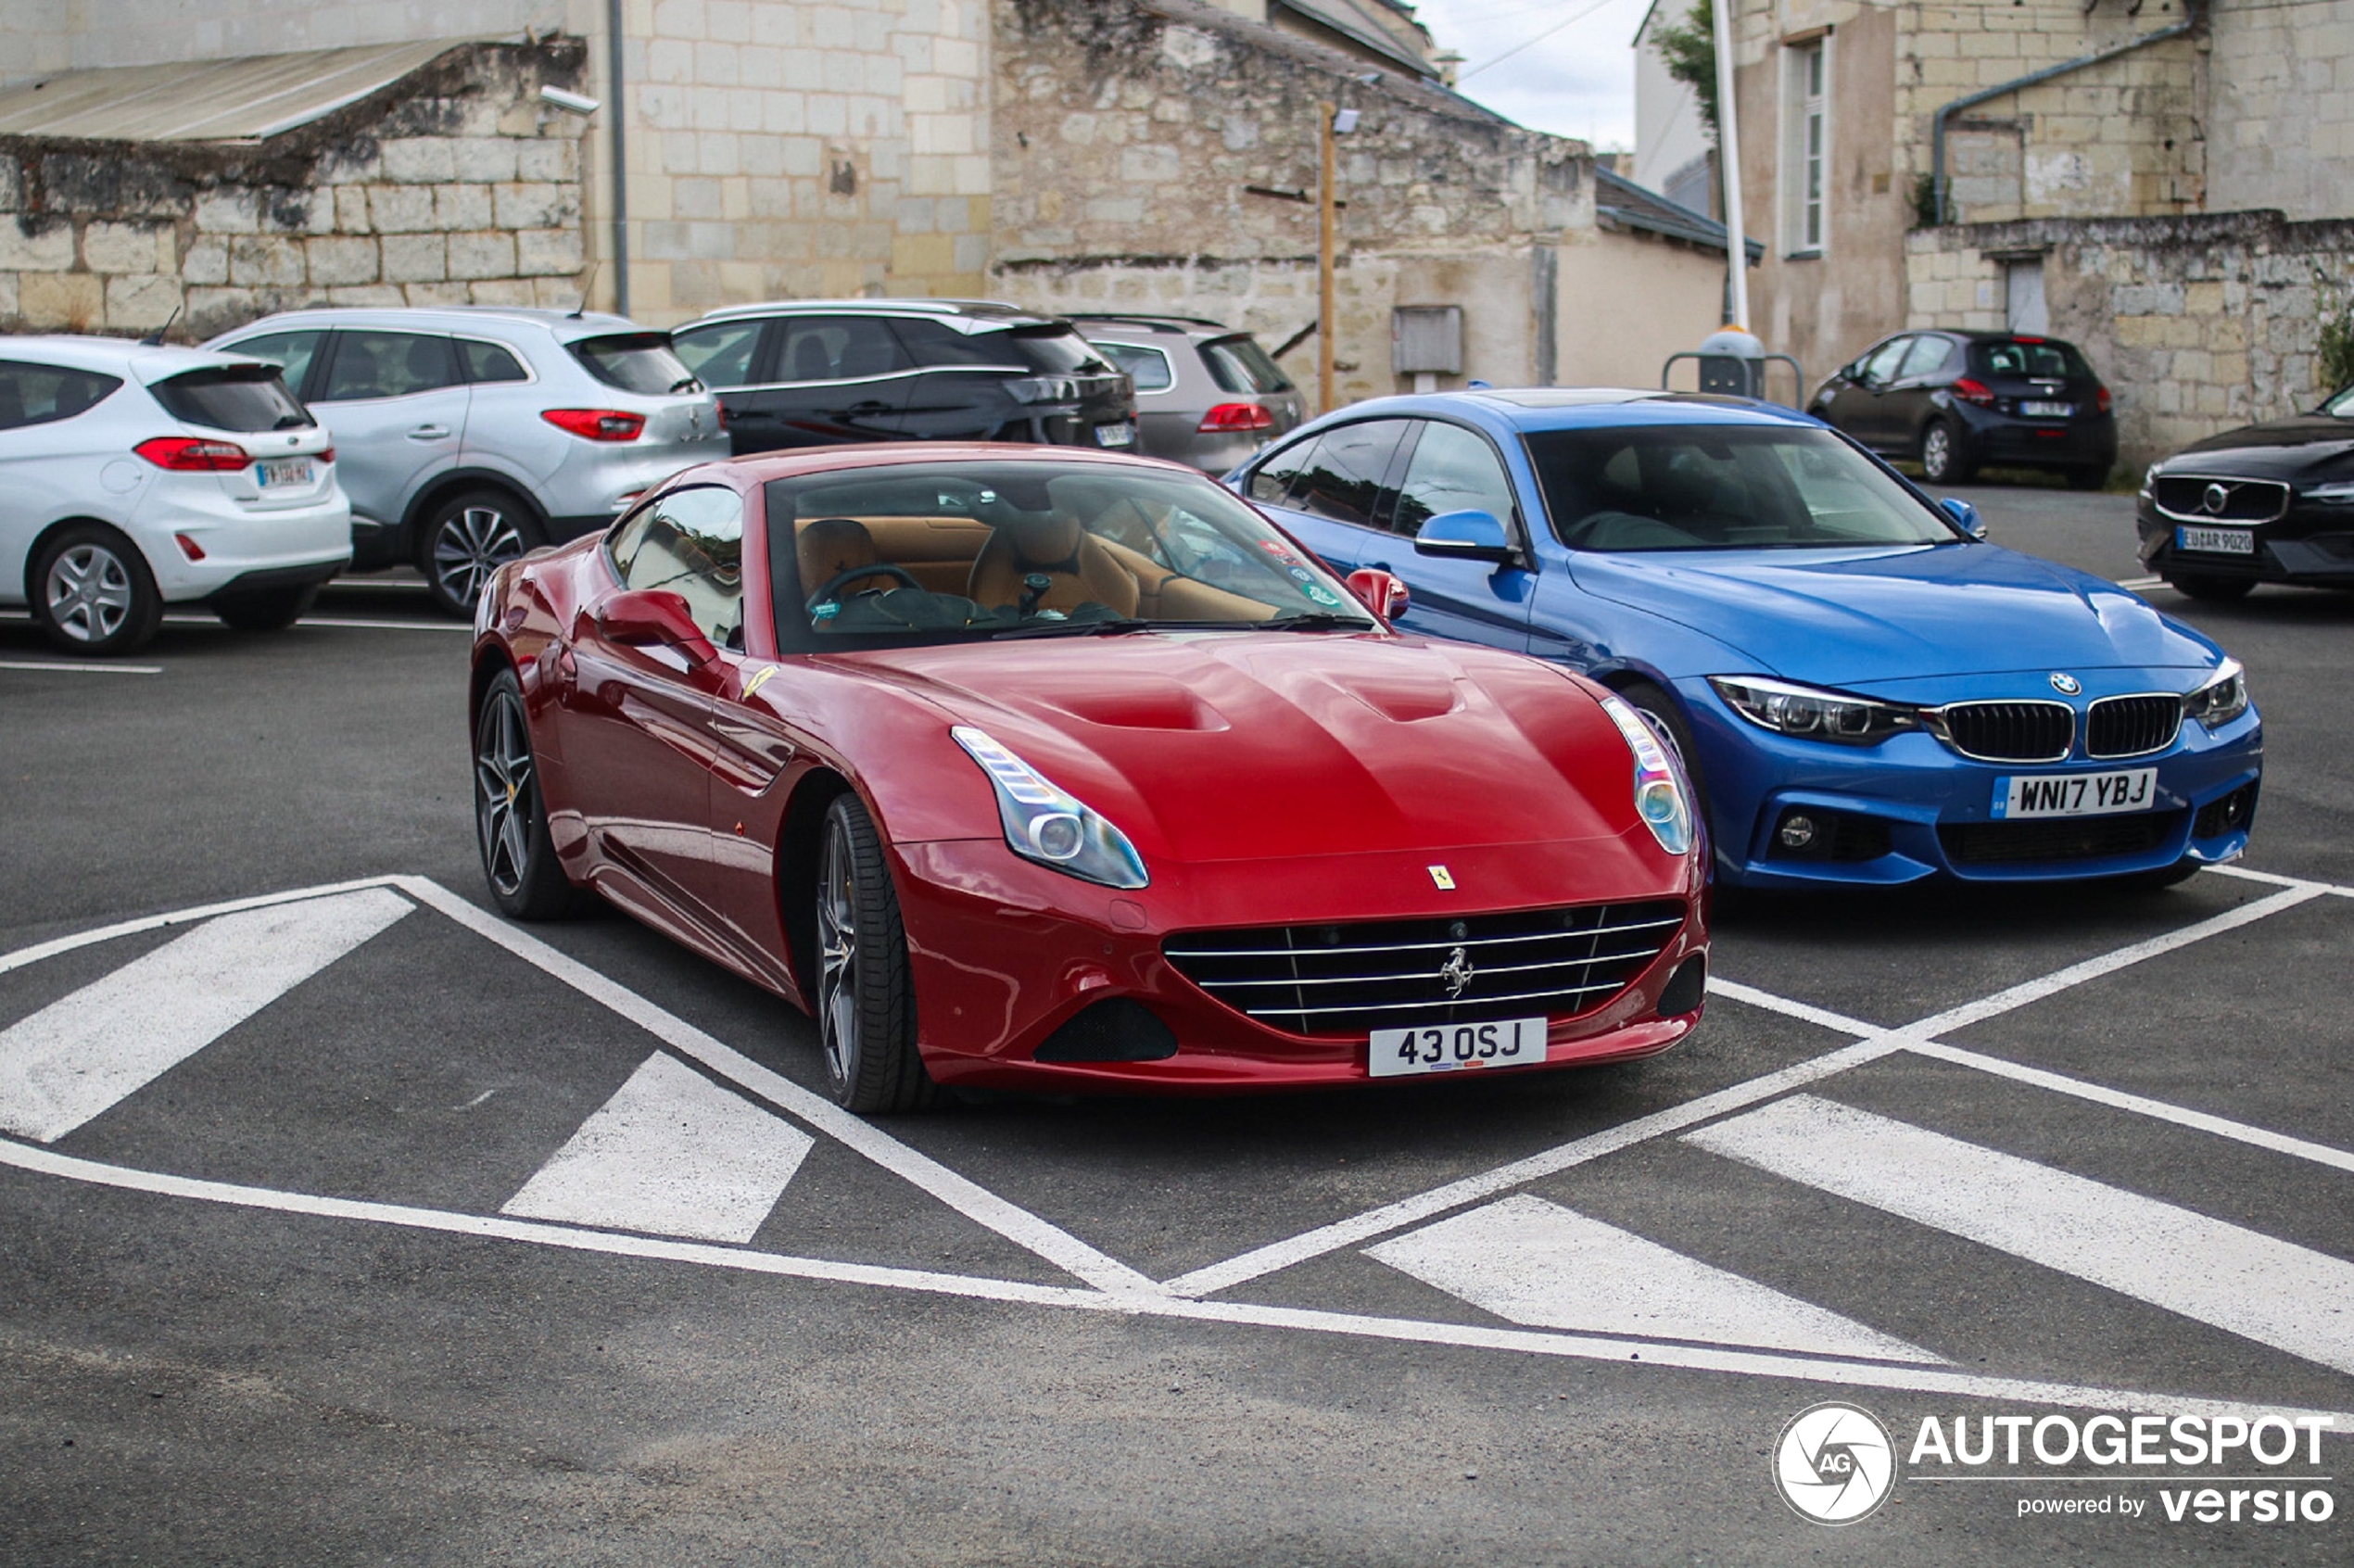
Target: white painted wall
{"type": "Point", "coordinates": [1669, 132]}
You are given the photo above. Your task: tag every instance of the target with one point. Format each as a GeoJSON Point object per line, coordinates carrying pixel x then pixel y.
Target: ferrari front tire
{"type": "Point", "coordinates": [510, 818]}
{"type": "Point", "coordinates": [866, 1000]}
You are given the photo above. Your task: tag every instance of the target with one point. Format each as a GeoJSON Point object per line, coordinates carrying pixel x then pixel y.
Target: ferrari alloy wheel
{"type": "Point", "coordinates": [866, 1000]}
{"type": "Point", "coordinates": [511, 821]}
{"type": "Point", "coordinates": [1941, 459]}
{"type": "Point", "coordinates": [466, 539]}
{"type": "Point", "coordinates": [94, 592]}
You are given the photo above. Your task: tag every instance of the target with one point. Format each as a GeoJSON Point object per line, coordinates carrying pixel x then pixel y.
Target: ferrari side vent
{"type": "Point", "coordinates": [1392, 974]}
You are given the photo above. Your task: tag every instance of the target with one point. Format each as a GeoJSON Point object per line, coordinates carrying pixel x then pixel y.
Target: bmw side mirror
{"type": "Point", "coordinates": [1465, 535]}
{"type": "Point", "coordinates": [654, 618]}
{"type": "Point", "coordinates": [1382, 593]}
{"type": "Point", "coordinates": [1966, 516]}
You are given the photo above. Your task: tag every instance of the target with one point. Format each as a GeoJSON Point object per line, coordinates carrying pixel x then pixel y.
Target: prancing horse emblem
{"type": "Point", "coordinates": [1456, 973]}
{"type": "Point", "coordinates": [1442, 879]}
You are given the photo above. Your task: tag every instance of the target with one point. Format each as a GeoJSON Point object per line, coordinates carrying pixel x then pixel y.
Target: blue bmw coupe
{"type": "Point", "coordinates": [1864, 689]}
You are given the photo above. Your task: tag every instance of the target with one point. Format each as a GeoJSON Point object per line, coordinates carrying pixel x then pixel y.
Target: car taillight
{"type": "Point", "coordinates": [327, 456]}
{"type": "Point", "coordinates": [596, 424]}
{"type": "Point", "coordinates": [2102, 402]}
{"type": "Point", "coordinates": [721, 408]}
{"type": "Point", "coordinates": [1229, 417]}
{"type": "Point", "coordinates": [191, 454]}
{"type": "Point", "coordinates": [1971, 390]}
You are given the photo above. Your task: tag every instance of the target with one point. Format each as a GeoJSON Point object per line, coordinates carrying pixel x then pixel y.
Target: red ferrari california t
{"type": "Point", "coordinates": [1022, 769]}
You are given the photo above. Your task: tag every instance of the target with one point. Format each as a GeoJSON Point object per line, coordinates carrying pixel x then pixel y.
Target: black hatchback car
{"type": "Point", "coordinates": [2265, 503]}
{"type": "Point", "coordinates": [1960, 400]}
{"type": "Point", "coordinates": [823, 372]}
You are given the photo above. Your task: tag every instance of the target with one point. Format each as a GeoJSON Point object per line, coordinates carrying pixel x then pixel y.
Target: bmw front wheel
{"type": "Point", "coordinates": [865, 1000]}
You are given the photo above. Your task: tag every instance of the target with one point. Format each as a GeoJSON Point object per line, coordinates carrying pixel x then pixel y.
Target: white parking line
{"type": "Point", "coordinates": [79, 1055]}
{"type": "Point", "coordinates": [2276, 880]}
{"type": "Point", "coordinates": [2241, 1280]}
{"type": "Point", "coordinates": [40, 950]}
{"type": "Point", "coordinates": [671, 1153]}
{"type": "Point", "coordinates": [1754, 1363]}
{"type": "Point", "coordinates": [2139, 583]}
{"type": "Point", "coordinates": [1533, 1262]}
{"type": "Point", "coordinates": [62, 666]}
{"type": "Point", "coordinates": [386, 626]}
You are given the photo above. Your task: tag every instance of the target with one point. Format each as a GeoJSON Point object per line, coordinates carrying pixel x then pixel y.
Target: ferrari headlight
{"type": "Point", "coordinates": [2221, 699]}
{"type": "Point", "coordinates": [1812, 713]}
{"type": "Point", "coordinates": [1045, 825]}
{"type": "Point", "coordinates": [1659, 793]}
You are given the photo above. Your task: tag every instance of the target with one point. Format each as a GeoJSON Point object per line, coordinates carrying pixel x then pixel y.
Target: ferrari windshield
{"type": "Point", "coordinates": [1023, 547]}
{"type": "Point", "coordinates": [1711, 486]}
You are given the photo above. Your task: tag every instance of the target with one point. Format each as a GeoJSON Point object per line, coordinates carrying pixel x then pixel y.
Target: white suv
{"type": "Point", "coordinates": [470, 435]}
{"type": "Point", "coordinates": [134, 476]}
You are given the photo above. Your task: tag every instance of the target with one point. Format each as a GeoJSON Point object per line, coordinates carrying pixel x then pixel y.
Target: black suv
{"type": "Point", "coordinates": [822, 372]}
{"type": "Point", "coordinates": [1957, 400]}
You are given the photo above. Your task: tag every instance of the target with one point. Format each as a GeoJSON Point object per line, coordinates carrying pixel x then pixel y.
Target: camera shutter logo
{"type": "Point", "coordinates": [1834, 1463]}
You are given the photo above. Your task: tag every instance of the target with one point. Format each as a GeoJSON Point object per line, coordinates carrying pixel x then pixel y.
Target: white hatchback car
{"type": "Point", "coordinates": [132, 476]}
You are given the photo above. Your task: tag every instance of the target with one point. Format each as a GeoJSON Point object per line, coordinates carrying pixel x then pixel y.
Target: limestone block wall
{"type": "Point", "coordinates": [2198, 324]}
{"type": "Point", "coordinates": [2282, 109]}
{"type": "Point", "coordinates": [454, 186]}
{"type": "Point", "coordinates": [1126, 139]}
{"type": "Point", "coordinates": [781, 150]}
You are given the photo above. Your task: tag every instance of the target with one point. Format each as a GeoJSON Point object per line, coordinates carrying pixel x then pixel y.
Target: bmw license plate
{"type": "Point", "coordinates": [277, 473]}
{"type": "Point", "coordinates": [1121, 433]}
{"type": "Point", "coordinates": [2034, 410]}
{"type": "Point", "coordinates": [2074, 794]}
{"type": "Point", "coordinates": [1398, 1053]}
{"type": "Point", "coordinates": [2215, 541]}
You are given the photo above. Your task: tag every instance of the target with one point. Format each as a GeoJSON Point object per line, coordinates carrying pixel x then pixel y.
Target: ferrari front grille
{"type": "Point", "coordinates": [2007, 731]}
{"type": "Point", "coordinates": [2132, 727]}
{"type": "Point", "coordinates": [1393, 974]}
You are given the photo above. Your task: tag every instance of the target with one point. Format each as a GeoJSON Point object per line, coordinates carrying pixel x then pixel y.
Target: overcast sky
{"type": "Point", "coordinates": [1579, 82]}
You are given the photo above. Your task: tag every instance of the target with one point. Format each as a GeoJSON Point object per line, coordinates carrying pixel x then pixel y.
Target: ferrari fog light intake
{"type": "Point", "coordinates": [1659, 793]}
{"type": "Point", "coordinates": [2221, 699]}
{"type": "Point", "coordinates": [1686, 989]}
{"type": "Point", "coordinates": [1815, 715]}
{"type": "Point", "coordinates": [1046, 825]}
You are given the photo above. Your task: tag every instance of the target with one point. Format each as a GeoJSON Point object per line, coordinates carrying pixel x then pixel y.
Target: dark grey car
{"type": "Point", "coordinates": [1205, 394]}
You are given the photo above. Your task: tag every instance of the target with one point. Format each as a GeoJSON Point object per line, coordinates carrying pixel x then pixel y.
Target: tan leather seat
{"type": "Point", "coordinates": [1078, 569]}
{"type": "Point", "coordinates": [831, 545]}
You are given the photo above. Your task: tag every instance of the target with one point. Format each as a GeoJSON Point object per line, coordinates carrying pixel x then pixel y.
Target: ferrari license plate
{"type": "Point", "coordinates": [2215, 541]}
{"type": "Point", "coordinates": [2034, 410]}
{"type": "Point", "coordinates": [2074, 794]}
{"type": "Point", "coordinates": [1122, 434]}
{"type": "Point", "coordinates": [1454, 1047]}
{"type": "Point", "coordinates": [278, 472]}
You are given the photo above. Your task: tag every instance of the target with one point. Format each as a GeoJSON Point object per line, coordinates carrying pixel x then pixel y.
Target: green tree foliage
{"type": "Point", "coordinates": [2334, 345]}
{"type": "Point", "coordinates": [1690, 51]}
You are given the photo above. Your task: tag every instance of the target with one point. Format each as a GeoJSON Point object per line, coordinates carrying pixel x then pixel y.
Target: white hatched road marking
{"type": "Point", "coordinates": [2258, 1287]}
{"type": "Point", "coordinates": [1877, 1044]}
{"type": "Point", "coordinates": [83, 1052]}
{"type": "Point", "coordinates": [1534, 1262]}
{"type": "Point", "coordinates": [672, 1153]}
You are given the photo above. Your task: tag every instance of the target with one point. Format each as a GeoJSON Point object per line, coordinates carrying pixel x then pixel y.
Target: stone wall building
{"type": "Point", "coordinates": [2054, 112]}
{"type": "Point", "coordinates": [1064, 154]}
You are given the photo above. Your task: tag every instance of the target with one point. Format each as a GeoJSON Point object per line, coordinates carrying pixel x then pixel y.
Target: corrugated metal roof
{"type": "Point", "coordinates": [239, 100]}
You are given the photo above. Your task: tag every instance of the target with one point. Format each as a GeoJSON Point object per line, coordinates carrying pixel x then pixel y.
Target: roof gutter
{"type": "Point", "coordinates": [2195, 16]}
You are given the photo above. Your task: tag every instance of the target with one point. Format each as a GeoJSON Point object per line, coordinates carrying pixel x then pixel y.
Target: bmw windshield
{"type": "Point", "coordinates": [943, 553]}
{"type": "Point", "coordinates": [1661, 487]}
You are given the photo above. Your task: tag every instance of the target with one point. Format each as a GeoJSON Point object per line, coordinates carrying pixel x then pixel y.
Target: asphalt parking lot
{"type": "Point", "coordinates": [354, 1255]}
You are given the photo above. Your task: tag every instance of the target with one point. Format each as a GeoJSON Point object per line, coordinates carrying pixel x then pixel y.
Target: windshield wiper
{"type": "Point", "coordinates": [1314, 620]}
{"type": "Point", "coordinates": [1110, 626]}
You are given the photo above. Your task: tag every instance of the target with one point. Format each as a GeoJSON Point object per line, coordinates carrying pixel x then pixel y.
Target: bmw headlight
{"type": "Point", "coordinates": [1045, 825]}
{"type": "Point", "coordinates": [1659, 793]}
{"type": "Point", "coordinates": [1815, 715]}
{"type": "Point", "coordinates": [2221, 699]}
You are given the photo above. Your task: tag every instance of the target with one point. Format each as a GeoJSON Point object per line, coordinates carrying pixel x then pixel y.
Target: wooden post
{"type": "Point", "coordinates": [1327, 236]}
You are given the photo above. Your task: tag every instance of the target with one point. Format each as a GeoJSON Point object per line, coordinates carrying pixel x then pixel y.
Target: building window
{"type": "Point", "coordinates": [1807, 145]}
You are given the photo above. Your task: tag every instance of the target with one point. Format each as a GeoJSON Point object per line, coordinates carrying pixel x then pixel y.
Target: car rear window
{"type": "Point", "coordinates": [31, 394]}
{"type": "Point", "coordinates": [636, 362]}
{"type": "Point", "coordinates": [1239, 364]}
{"type": "Point", "coordinates": [1148, 366]}
{"type": "Point", "coordinates": [2043, 356]}
{"type": "Point", "coordinates": [1049, 348]}
{"type": "Point", "coordinates": [242, 398]}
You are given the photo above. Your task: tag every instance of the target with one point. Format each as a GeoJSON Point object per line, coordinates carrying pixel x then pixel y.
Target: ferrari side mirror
{"type": "Point", "coordinates": [1382, 593]}
{"type": "Point", "coordinates": [654, 617]}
